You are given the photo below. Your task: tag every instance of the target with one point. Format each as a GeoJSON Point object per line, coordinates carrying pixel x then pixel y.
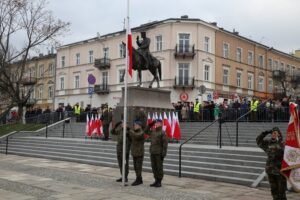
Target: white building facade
{"type": "Point", "coordinates": [184, 46]}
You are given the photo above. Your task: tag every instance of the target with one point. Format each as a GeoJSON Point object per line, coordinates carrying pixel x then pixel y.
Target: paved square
{"type": "Point", "coordinates": [24, 178]}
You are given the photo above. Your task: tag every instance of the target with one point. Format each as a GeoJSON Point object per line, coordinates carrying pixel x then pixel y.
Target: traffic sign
{"type": "Point", "coordinates": [90, 90]}
{"type": "Point", "coordinates": [184, 96]}
{"type": "Point", "coordinates": [209, 97]}
{"type": "Point", "coordinates": [202, 89]}
{"type": "Point", "coordinates": [91, 79]}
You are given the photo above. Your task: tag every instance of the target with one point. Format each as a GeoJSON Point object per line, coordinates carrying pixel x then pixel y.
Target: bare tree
{"type": "Point", "coordinates": [31, 21]}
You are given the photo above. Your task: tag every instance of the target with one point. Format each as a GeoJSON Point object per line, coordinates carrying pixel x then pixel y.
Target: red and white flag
{"type": "Point", "coordinates": [176, 132]}
{"type": "Point", "coordinates": [87, 126]}
{"type": "Point", "coordinates": [290, 166]}
{"type": "Point", "coordinates": [129, 48]}
{"type": "Point", "coordinates": [99, 126]}
{"type": "Point", "coordinates": [167, 126]}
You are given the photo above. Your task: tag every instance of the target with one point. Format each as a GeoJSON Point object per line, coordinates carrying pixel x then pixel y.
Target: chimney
{"type": "Point", "coordinates": [40, 55]}
{"type": "Point", "coordinates": [184, 17]}
{"type": "Point", "coordinates": [235, 32]}
{"type": "Point", "coordinates": [214, 23]}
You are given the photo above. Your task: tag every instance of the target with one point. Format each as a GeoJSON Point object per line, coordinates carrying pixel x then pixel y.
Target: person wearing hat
{"type": "Point", "coordinates": [118, 131]}
{"type": "Point", "coordinates": [144, 48]}
{"type": "Point", "coordinates": [137, 150]}
{"type": "Point", "coordinates": [274, 147]}
{"type": "Point", "coordinates": [158, 150]}
{"type": "Point", "coordinates": [197, 110]}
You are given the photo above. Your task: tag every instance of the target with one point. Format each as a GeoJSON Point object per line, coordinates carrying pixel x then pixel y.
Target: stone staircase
{"type": "Point", "coordinates": [201, 157]}
{"type": "Point", "coordinates": [229, 164]}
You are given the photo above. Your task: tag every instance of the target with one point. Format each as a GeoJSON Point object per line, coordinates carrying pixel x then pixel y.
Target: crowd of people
{"type": "Point", "coordinates": [230, 110]}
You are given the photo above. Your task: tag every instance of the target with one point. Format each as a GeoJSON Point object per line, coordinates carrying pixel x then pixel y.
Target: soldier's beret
{"type": "Point", "coordinates": [138, 122]}
{"type": "Point", "coordinates": [276, 129]}
{"type": "Point", "coordinates": [158, 120]}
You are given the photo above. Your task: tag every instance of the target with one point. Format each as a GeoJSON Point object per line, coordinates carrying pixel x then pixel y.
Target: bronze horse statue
{"type": "Point", "coordinates": [138, 63]}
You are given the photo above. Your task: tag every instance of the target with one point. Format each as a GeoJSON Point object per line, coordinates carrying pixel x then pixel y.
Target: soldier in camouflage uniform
{"type": "Point", "coordinates": [118, 131]}
{"type": "Point", "coordinates": [158, 150]}
{"type": "Point", "coordinates": [274, 148]}
{"type": "Point", "coordinates": [137, 151]}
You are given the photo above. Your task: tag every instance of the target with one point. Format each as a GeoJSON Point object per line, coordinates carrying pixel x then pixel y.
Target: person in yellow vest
{"type": "Point", "coordinates": [253, 106]}
{"type": "Point", "coordinates": [197, 110]}
{"type": "Point", "coordinates": [77, 111]}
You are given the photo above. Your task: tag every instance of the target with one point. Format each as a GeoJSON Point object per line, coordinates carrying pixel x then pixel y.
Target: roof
{"type": "Point", "coordinates": [184, 18]}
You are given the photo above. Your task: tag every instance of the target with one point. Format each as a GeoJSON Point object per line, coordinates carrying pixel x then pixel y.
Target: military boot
{"type": "Point", "coordinates": [120, 180]}
{"type": "Point", "coordinates": [154, 183]}
{"type": "Point", "coordinates": [137, 181]}
{"type": "Point", "coordinates": [158, 184]}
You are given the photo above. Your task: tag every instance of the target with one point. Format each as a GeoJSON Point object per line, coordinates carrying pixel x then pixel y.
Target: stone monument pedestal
{"type": "Point", "coordinates": [150, 99]}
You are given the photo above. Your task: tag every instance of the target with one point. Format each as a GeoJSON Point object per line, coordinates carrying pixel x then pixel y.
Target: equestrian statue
{"type": "Point", "coordinates": [142, 60]}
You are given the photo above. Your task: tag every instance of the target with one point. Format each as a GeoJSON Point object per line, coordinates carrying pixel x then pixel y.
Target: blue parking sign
{"type": "Point", "coordinates": [91, 90]}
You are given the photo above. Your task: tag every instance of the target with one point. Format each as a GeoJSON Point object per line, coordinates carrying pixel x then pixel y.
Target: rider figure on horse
{"type": "Point", "coordinates": [144, 49]}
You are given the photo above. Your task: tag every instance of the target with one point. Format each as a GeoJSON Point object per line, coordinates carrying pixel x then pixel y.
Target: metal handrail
{"type": "Point", "coordinates": [237, 124]}
{"type": "Point", "coordinates": [180, 147]}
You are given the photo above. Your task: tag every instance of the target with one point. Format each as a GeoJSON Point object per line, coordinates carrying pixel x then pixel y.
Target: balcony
{"type": "Point", "coordinates": [102, 63]}
{"type": "Point", "coordinates": [101, 89]}
{"type": "Point", "coordinates": [278, 75]}
{"type": "Point", "coordinates": [31, 101]}
{"type": "Point", "coordinates": [29, 81]}
{"type": "Point", "coordinates": [184, 82]}
{"type": "Point", "coordinates": [184, 51]}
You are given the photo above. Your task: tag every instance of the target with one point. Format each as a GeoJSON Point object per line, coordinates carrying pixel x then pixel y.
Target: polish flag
{"type": "Point", "coordinates": [176, 132]}
{"type": "Point", "coordinates": [99, 125]}
{"type": "Point", "coordinates": [290, 166]}
{"type": "Point", "coordinates": [87, 126]}
{"type": "Point", "coordinates": [129, 46]}
{"type": "Point", "coordinates": [167, 126]}
{"type": "Point", "coordinates": [170, 119]}
{"type": "Point", "coordinates": [92, 126]}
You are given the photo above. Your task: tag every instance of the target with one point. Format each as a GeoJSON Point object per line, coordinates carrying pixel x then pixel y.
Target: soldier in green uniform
{"type": "Point", "coordinates": [137, 151]}
{"type": "Point", "coordinates": [118, 131]}
{"type": "Point", "coordinates": [140, 115]}
{"type": "Point", "coordinates": [158, 150]}
{"type": "Point", "coordinates": [274, 148]}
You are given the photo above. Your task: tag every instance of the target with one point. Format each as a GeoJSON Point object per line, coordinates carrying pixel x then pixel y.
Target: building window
{"type": "Point", "coordinates": [104, 78]}
{"type": "Point", "coordinates": [260, 83]}
{"type": "Point", "coordinates": [122, 52]}
{"type": "Point", "coordinates": [184, 42]}
{"type": "Point", "coordinates": [282, 66]}
{"type": "Point", "coordinates": [91, 56]}
{"type": "Point", "coordinates": [40, 92]}
{"type": "Point", "coordinates": [62, 83]}
{"type": "Point", "coordinates": [31, 72]}
{"type": "Point", "coordinates": [183, 73]}
{"type": "Point", "coordinates": [158, 39]}
{"type": "Point", "coordinates": [121, 75]}
{"type": "Point", "coordinates": [50, 92]}
{"type": "Point", "coordinates": [206, 72]}
{"type": "Point", "coordinates": [41, 70]}
{"type": "Point", "coordinates": [239, 54]}
{"type": "Point", "coordinates": [250, 81]}
{"type": "Point", "coordinates": [270, 64]}
{"type": "Point", "coordinates": [293, 70]}
{"type": "Point", "coordinates": [238, 78]}
{"type": "Point", "coordinates": [106, 53]}
{"type": "Point", "coordinates": [260, 61]}
{"type": "Point", "coordinates": [226, 50]}
{"type": "Point", "coordinates": [288, 69]}
{"type": "Point", "coordinates": [250, 58]}
{"type": "Point", "coordinates": [51, 69]}
{"type": "Point", "coordinates": [76, 81]}
{"type": "Point", "coordinates": [270, 85]}
{"type": "Point", "coordinates": [276, 65]}
{"type": "Point", "coordinates": [206, 44]}
{"type": "Point", "coordinates": [225, 76]}
{"type": "Point", "coordinates": [77, 58]}
{"type": "Point", "coordinates": [63, 58]}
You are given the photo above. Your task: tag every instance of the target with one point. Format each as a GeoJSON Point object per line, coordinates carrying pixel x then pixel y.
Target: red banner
{"type": "Point", "coordinates": [290, 166]}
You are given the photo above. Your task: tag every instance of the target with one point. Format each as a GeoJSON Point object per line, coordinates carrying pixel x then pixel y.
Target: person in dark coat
{"type": "Point", "coordinates": [137, 150]}
{"type": "Point", "coordinates": [158, 150]}
{"type": "Point", "coordinates": [118, 131]}
{"type": "Point", "coordinates": [274, 148]}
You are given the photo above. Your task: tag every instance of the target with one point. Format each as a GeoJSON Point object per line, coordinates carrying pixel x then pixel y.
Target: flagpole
{"type": "Point", "coordinates": [125, 101]}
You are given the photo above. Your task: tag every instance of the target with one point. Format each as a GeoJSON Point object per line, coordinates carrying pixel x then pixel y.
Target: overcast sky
{"type": "Point", "coordinates": [274, 23]}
